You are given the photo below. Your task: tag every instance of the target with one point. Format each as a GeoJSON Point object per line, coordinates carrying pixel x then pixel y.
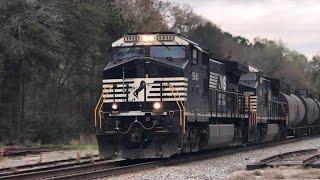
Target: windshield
{"type": "Point", "coordinates": [154, 51]}
{"type": "Point", "coordinates": [248, 77]}
{"type": "Point", "coordinates": [129, 52]}
{"type": "Point", "coordinates": [168, 51]}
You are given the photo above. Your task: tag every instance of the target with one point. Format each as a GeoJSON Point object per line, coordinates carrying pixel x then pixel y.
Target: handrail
{"type": "Point", "coordinates": [95, 110]}
{"type": "Point", "coordinates": [182, 110]}
{"type": "Point", "coordinates": [279, 102]}
{"type": "Point", "coordinates": [183, 107]}
{"type": "Point", "coordinates": [175, 98]}
{"type": "Point", "coordinates": [99, 106]}
{"type": "Point", "coordinates": [100, 114]}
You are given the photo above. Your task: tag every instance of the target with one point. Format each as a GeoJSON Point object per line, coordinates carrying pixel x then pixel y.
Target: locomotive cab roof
{"type": "Point", "coordinates": [155, 38]}
{"type": "Point", "coordinates": [234, 67]}
{"type": "Point", "coordinates": [166, 39]}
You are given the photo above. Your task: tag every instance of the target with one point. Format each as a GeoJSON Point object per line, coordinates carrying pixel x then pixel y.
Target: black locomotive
{"type": "Point", "coordinates": [163, 95]}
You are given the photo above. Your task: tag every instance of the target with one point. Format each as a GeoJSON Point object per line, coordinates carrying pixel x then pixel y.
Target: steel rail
{"type": "Point", "coordinates": [107, 168]}
{"type": "Point", "coordinates": [64, 171]}
{"type": "Point", "coordinates": [313, 161]}
{"type": "Point", "coordinates": [109, 171]}
{"type": "Point", "coordinates": [303, 157]}
{"type": "Point", "coordinates": [60, 166]}
{"type": "Point", "coordinates": [288, 154]}
{"type": "Point", "coordinates": [16, 151]}
{"type": "Point", "coordinates": [178, 159]}
{"type": "Point", "coordinates": [45, 164]}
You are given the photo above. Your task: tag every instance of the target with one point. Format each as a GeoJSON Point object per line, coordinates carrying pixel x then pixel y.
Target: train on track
{"type": "Point", "coordinates": [163, 95]}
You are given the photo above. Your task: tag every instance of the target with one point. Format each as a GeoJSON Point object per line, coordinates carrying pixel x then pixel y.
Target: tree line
{"type": "Point", "coordinates": [52, 54]}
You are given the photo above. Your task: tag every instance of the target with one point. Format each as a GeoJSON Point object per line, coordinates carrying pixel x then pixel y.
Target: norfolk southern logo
{"type": "Point", "coordinates": [140, 88]}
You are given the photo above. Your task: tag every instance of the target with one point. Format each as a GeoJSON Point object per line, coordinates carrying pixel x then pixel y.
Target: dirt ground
{"type": "Point", "coordinates": [276, 173]}
{"type": "Point", "coordinates": [44, 157]}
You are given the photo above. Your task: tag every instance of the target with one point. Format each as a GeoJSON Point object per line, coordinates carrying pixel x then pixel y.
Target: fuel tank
{"type": "Point", "coordinates": [272, 132]}
{"type": "Point", "coordinates": [218, 136]}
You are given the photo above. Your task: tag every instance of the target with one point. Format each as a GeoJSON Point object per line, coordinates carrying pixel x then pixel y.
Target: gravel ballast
{"type": "Point", "coordinates": [218, 167]}
{"type": "Point", "coordinates": [276, 173]}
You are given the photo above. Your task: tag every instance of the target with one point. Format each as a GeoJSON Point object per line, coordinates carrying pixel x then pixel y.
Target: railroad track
{"type": "Point", "coordinates": [98, 168]}
{"type": "Point", "coordinates": [15, 151]}
{"type": "Point", "coordinates": [86, 170]}
{"type": "Point", "coordinates": [49, 165]}
{"type": "Point", "coordinates": [304, 158]}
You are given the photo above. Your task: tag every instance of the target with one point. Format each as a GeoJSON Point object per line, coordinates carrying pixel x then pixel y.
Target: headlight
{"type": "Point", "coordinates": [147, 38]}
{"type": "Point", "coordinates": [157, 105]}
{"type": "Point", "coordinates": [114, 106]}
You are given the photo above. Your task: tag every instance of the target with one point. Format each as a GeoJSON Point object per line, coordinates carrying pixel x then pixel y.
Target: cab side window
{"type": "Point", "coordinates": [194, 56]}
{"type": "Point", "coordinates": [205, 59]}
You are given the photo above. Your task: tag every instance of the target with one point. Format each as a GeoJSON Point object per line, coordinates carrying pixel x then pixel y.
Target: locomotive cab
{"type": "Point", "coordinates": [145, 87]}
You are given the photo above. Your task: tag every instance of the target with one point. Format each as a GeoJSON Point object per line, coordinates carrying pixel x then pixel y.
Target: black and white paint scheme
{"type": "Point", "coordinates": [163, 95]}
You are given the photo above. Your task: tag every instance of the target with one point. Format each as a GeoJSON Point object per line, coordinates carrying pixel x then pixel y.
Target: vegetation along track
{"type": "Point", "coordinates": [90, 169]}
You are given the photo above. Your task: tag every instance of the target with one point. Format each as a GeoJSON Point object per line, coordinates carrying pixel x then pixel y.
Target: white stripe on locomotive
{"type": "Point", "coordinates": [114, 90]}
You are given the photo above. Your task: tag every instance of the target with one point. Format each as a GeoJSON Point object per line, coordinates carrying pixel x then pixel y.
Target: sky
{"type": "Point", "coordinates": [295, 22]}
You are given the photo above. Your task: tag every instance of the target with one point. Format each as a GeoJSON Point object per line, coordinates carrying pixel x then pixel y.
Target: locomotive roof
{"type": "Point", "coordinates": [137, 40]}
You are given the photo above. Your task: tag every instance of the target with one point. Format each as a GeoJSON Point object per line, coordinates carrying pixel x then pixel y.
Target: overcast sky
{"type": "Point", "coordinates": [295, 22]}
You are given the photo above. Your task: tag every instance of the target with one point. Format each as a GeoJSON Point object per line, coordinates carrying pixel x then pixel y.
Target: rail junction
{"type": "Point", "coordinates": [303, 158]}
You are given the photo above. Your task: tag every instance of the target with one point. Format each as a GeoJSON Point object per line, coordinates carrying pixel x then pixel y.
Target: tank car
{"type": "Point", "coordinates": [303, 113]}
